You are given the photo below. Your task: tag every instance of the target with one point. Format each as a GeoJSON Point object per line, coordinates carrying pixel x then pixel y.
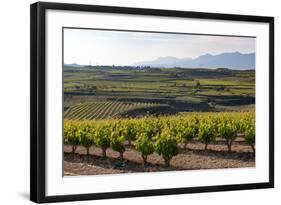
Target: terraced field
{"type": "Point", "coordinates": [103, 109]}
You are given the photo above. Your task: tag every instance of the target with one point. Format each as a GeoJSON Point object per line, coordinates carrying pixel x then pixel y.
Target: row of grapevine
{"type": "Point", "coordinates": [162, 135]}
{"type": "Point", "coordinates": [101, 110]}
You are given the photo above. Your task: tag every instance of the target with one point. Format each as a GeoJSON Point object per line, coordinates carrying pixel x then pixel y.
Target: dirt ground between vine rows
{"type": "Point", "coordinates": [195, 157]}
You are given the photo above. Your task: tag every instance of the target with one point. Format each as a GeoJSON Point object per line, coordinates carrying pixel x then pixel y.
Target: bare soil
{"type": "Point", "coordinates": [195, 157]}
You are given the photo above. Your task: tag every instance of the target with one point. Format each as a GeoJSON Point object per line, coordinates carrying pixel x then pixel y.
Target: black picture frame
{"type": "Point", "coordinates": [38, 101]}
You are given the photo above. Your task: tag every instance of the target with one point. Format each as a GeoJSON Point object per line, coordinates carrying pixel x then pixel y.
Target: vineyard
{"type": "Point", "coordinates": [162, 135]}
{"type": "Point", "coordinates": [117, 119]}
{"type": "Point", "coordinates": [102, 110]}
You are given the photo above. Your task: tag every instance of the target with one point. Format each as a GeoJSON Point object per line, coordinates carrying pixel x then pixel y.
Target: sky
{"type": "Point", "coordinates": [101, 47]}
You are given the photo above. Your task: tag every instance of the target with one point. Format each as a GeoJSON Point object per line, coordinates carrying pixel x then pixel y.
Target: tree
{"type": "Point", "coordinates": [220, 87]}
{"type": "Point", "coordinates": [197, 84]}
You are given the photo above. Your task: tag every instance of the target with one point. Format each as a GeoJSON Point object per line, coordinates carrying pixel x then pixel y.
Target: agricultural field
{"type": "Point", "coordinates": [103, 110]}
{"type": "Point", "coordinates": [128, 119]}
{"type": "Point", "coordinates": [119, 92]}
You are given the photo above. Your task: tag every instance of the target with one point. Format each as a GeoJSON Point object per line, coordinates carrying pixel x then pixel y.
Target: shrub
{"type": "Point", "coordinates": [148, 128]}
{"type": "Point", "coordinates": [206, 133]}
{"type": "Point", "coordinates": [244, 123]}
{"type": "Point", "coordinates": [187, 132]}
{"type": "Point", "coordinates": [144, 146]}
{"type": "Point", "coordinates": [129, 131]}
{"type": "Point", "coordinates": [166, 146]}
{"type": "Point", "coordinates": [227, 129]}
{"type": "Point", "coordinates": [117, 141]}
{"type": "Point", "coordinates": [250, 135]}
{"type": "Point", "coordinates": [102, 138]}
{"type": "Point", "coordinates": [71, 137]}
{"type": "Point", "coordinates": [85, 134]}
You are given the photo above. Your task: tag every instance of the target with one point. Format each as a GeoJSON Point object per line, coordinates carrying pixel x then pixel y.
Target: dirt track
{"type": "Point", "coordinates": [193, 158]}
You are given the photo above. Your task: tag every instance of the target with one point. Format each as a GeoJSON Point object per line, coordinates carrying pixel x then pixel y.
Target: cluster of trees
{"type": "Point", "coordinates": [162, 135]}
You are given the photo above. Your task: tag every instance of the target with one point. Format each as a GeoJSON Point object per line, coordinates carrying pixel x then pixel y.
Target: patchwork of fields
{"type": "Point", "coordinates": [116, 92]}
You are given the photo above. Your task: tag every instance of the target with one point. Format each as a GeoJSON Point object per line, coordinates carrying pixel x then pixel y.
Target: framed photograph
{"type": "Point", "coordinates": [129, 102]}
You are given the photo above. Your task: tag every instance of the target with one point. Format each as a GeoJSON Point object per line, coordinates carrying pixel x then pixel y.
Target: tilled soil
{"type": "Point", "coordinates": [195, 157]}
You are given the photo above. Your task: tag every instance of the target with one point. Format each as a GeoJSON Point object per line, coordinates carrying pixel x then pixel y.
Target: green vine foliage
{"type": "Point", "coordinates": [227, 129]}
{"type": "Point", "coordinates": [117, 141]}
{"type": "Point", "coordinates": [167, 146]}
{"type": "Point", "coordinates": [206, 133]}
{"type": "Point", "coordinates": [86, 136]}
{"type": "Point", "coordinates": [162, 135]}
{"type": "Point", "coordinates": [144, 145]}
{"type": "Point", "coordinates": [71, 137]}
{"type": "Point", "coordinates": [250, 135]}
{"type": "Point", "coordinates": [102, 138]}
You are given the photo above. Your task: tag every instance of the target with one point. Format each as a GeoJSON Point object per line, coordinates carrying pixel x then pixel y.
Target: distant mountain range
{"type": "Point", "coordinates": [73, 65]}
{"type": "Point", "coordinates": [233, 60]}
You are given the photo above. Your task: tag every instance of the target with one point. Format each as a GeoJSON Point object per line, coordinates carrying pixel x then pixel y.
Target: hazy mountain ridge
{"type": "Point", "coordinates": [233, 60]}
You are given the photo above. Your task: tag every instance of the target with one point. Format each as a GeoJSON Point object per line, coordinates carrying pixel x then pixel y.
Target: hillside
{"type": "Point", "coordinates": [234, 60]}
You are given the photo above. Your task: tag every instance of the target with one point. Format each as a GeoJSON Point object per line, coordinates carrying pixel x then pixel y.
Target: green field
{"type": "Point", "coordinates": [103, 92]}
